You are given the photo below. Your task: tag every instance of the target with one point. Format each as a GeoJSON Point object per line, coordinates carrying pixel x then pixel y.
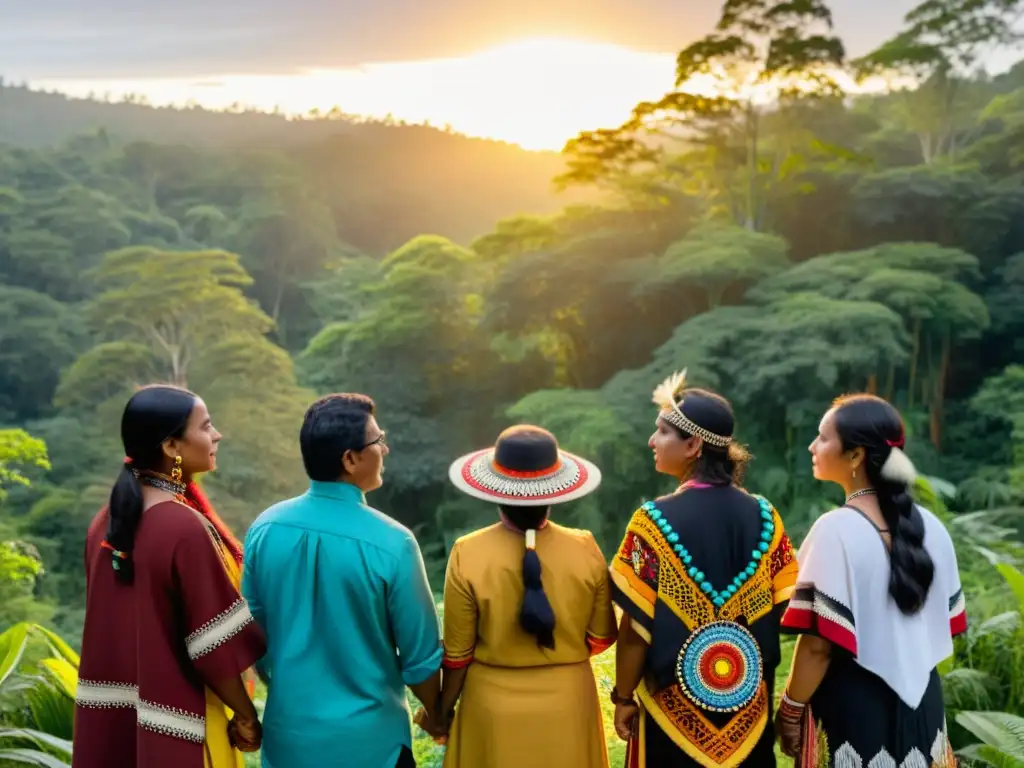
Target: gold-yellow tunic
{"type": "Point", "coordinates": [524, 706]}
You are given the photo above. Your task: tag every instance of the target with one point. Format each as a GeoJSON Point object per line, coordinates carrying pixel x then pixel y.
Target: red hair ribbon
{"type": "Point", "coordinates": [128, 460]}
{"type": "Point", "coordinates": [897, 443]}
{"type": "Point", "coordinates": [115, 552]}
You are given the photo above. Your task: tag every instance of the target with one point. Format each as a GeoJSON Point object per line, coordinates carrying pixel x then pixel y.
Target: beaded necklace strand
{"type": "Point", "coordinates": [717, 597]}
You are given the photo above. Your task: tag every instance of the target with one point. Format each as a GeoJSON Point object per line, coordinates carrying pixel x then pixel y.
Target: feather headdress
{"type": "Point", "coordinates": [666, 394]}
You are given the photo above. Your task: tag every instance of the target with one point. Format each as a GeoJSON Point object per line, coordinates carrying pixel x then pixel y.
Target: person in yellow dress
{"type": "Point", "coordinates": [527, 602]}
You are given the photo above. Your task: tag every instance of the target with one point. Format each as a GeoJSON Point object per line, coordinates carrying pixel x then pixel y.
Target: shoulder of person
{"type": "Point", "coordinates": [582, 537]}
{"type": "Point", "coordinates": [387, 524]}
{"type": "Point", "coordinates": [274, 511]}
{"type": "Point", "coordinates": [835, 523]}
{"type": "Point", "coordinates": [478, 537]}
{"type": "Point", "coordinates": [179, 522]}
{"type": "Point", "coordinates": [936, 533]}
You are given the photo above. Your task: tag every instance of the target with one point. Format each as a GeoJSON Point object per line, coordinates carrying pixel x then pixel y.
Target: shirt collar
{"type": "Point", "coordinates": [340, 491]}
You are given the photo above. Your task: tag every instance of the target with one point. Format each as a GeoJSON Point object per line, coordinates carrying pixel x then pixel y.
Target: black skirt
{"type": "Point", "coordinates": [862, 716]}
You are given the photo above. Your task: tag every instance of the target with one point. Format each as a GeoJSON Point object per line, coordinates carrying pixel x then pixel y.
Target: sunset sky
{"type": "Point", "coordinates": [534, 72]}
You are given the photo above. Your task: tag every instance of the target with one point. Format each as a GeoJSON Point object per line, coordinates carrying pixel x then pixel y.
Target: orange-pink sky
{"type": "Point", "coordinates": [534, 72]}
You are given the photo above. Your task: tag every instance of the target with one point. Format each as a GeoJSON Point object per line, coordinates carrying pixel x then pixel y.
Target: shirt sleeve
{"type": "Point", "coordinates": [251, 594]}
{"type": "Point", "coordinates": [460, 615]}
{"type": "Point", "coordinates": [634, 573]}
{"type": "Point", "coordinates": [414, 616]}
{"type": "Point", "coordinates": [821, 601]}
{"type": "Point", "coordinates": [782, 563]}
{"type": "Point", "coordinates": [250, 587]}
{"type": "Point", "coordinates": [221, 638]}
{"type": "Point", "coordinates": [601, 629]}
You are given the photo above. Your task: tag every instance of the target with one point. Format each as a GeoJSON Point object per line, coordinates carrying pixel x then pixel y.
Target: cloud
{"type": "Point", "coordinates": [62, 39]}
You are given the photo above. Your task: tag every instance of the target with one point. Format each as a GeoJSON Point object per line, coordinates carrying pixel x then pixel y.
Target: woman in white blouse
{"type": "Point", "coordinates": [877, 603]}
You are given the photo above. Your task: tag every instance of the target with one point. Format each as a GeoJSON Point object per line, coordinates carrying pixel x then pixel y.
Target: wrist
{"type": "Point", "coordinates": [791, 702]}
{"type": "Point", "coordinates": [248, 716]}
{"type": "Point", "coordinates": [618, 698]}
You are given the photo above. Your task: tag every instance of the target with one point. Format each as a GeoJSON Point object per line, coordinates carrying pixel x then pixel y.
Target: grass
{"type": "Point", "coordinates": [430, 755]}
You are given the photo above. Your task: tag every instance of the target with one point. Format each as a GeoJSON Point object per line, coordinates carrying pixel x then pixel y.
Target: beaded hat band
{"type": "Point", "coordinates": [666, 396]}
{"type": "Point", "coordinates": [546, 475]}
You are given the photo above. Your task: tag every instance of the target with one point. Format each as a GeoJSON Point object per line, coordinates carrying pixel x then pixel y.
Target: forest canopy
{"type": "Point", "coordinates": [784, 252]}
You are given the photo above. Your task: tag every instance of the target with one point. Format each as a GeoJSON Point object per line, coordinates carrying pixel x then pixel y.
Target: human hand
{"type": "Point", "coordinates": [627, 716]}
{"type": "Point", "coordinates": [433, 724]}
{"type": "Point", "coordinates": [246, 734]}
{"type": "Point", "coordinates": [789, 726]}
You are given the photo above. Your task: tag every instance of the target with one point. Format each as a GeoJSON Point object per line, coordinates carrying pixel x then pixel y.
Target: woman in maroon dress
{"type": "Point", "coordinates": [167, 637]}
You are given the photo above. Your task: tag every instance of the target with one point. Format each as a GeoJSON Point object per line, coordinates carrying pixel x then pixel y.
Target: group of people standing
{"type": "Point", "coordinates": [329, 604]}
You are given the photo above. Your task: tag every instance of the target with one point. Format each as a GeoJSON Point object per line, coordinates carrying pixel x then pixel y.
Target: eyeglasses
{"type": "Point", "coordinates": [381, 440]}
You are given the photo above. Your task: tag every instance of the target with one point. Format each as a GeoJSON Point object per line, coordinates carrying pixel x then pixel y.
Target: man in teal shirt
{"type": "Point", "coordinates": [342, 594]}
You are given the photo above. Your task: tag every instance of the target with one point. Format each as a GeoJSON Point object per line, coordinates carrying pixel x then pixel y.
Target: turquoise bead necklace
{"type": "Point", "coordinates": [717, 597]}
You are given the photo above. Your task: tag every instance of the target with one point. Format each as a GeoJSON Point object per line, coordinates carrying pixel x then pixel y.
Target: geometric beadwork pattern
{"type": "Point", "coordinates": [721, 595]}
{"type": "Point", "coordinates": [719, 667]}
{"type": "Point", "coordinates": [693, 606]}
{"type": "Point", "coordinates": [698, 737]}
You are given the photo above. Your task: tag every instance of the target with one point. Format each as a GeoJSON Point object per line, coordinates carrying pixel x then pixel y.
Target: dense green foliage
{"type": "Point", "coordinates": [784, 254]}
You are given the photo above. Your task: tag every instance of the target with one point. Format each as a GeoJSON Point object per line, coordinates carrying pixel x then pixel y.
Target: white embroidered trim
{"type": "Point", "coordinates": [566, 476]}
{"type": "Point", "coordinates": [846, 756]}
{"type": "Point", "coordinates": [822, 608]}
{"type": "Point", "coordinates": [106, 695]}
{"type": "Point", "coordinates": [158, 718]}
{"type": "Point", "coordinates": [218, 630]}
{"type": "Point", "coordinates": [171, 721]}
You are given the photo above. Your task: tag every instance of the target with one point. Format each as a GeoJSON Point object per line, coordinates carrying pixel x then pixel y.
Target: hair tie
{"type": "Point", "coordinates": [896, 443]}
{"type": "Point", "coordinates": [128, 461]}
{"type": "Point", "coordinates": [118, 554]}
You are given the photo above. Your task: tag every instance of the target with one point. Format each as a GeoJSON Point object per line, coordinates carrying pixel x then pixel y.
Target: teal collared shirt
{"type": "Point", "coordinates": [342, 593]}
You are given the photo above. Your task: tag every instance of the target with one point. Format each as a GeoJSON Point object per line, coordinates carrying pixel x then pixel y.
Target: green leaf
{"type": "Point", "coordinates": [29, 757]}
{"type": "Point", "coordinates": [1001, 730]}
{"type": "Point", "coordinates": [12, 646]}
{"type": "Point", "coordinates": [63, 674]}
{"type": "Point", "coordinates": [40, 738]}
{"type": "Point", "coordinates": [58, 646]}
{"type": "Point", "coordinates": [1016, 581]}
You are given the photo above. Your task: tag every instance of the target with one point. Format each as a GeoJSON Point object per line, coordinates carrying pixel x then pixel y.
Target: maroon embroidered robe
{"type": "Point", "coordinates": [150, 649]}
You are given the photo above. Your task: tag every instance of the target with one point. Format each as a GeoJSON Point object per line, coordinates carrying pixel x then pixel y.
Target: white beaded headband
{"type": "Point", "coordinates": [665, 397]}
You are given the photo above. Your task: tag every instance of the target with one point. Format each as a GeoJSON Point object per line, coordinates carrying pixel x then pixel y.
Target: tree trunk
{"type": "Point", "coordinates": [890, 382]}
{"type": "Point", "coordinates": [915, 352]}
{"type": "Point", "coordinates": [873, 384]}
{"type": "Point", "coordinates": [928, 380]}
{"type": "Point", "coordinates": [752, 147]}
{"type": "Point", "coordinates": [939, 394]}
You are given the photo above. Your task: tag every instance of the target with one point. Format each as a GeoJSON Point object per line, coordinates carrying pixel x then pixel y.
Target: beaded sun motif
{"type": "Point", "coordinates": [717, 597]}
{"type": "Point", "coordinates": [719, 667]}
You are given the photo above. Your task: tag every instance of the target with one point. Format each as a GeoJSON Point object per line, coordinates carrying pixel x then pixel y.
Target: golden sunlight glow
{"type": "Point", "coordinates": [537, 93]}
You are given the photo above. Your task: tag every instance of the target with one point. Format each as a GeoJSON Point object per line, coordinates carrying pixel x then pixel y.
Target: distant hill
{"type": "Point", "coordinates": [401, 180]}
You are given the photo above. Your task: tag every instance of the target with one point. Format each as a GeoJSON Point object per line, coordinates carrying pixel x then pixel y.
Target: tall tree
{"type": "Point", "coordinates": [762, 55]}
{"type": "Point", "coordinates": [174, 302]}
{"type": "Point", "coordinates": [942, 43]}
{"type": "Point", "coordinates": [286, 236]}
{"type": "Point", "coordinates": [717, 261]}
{"type": "Point", "coordinates": [418, 352]}
{"type": "Point", "coordinates": [923, 282]}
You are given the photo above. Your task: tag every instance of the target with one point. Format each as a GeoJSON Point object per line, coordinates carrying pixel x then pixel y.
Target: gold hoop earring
{"type": "Point", "coordinates": [176, 472]}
